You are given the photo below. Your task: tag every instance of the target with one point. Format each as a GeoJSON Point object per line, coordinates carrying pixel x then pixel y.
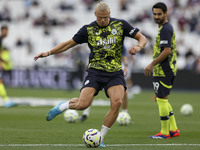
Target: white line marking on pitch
{"type": "Point", "coordinates": [32, 101]}
{"type": "Point", "coordinates": [76, 145]}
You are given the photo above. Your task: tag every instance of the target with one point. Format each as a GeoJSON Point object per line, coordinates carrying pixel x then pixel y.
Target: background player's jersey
{"type": "Point", "coordinates": [105, 43]}
{"type": "Point", "coordinates": [165, 38]}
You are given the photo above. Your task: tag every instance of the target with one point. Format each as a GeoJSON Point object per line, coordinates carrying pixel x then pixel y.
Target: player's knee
{"type": "Point", "coordinates": [116, 103]}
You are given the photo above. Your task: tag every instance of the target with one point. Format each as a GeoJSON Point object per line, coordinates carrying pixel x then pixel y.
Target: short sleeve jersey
{"type": "Point", "coordinates": [165, 38]}
{"type": "Point", "coordinates": [105, 43]}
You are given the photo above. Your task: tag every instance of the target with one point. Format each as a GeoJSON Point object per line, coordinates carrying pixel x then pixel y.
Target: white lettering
{"type": "Point", "coordinates": [104, 42]}
{"type": "Point", "coordinates": [156, 86]}
{"type": "Point", "coordinates": [164, 42]}
{"type": "Point", "coordinates": [131, 32]}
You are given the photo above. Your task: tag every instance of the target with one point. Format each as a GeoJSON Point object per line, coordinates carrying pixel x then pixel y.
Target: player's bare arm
{"type": "Point", "coordinates": [64, 46]}
{"type": "Point", "coordinates": [165, 53]}
{"type": "Point", "coordinates": [141, 44]}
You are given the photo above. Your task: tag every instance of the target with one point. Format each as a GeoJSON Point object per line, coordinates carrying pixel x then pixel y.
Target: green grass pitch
{"type": "Point", "coordinates": [25, 127]}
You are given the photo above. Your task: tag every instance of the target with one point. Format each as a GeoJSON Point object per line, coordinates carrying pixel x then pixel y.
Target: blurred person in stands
{"type": "Point", "coordinates": [3, 63]}
{"type": "Point", "coordinates": [164, 71]}
{"type": "Point", "coordinates": [105, 38]}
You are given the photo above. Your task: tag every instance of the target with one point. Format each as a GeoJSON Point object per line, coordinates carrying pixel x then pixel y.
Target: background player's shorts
{"type": "Point", "coordinates": [162, 85]}
{"type": "Point", "coordinates": [103, 80]}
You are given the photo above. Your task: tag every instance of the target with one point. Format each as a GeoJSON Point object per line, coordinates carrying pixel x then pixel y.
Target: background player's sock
{"type": "Point", "coordinates": [164, 115]}
{"type": "Point", "coordinates": [86, 111]}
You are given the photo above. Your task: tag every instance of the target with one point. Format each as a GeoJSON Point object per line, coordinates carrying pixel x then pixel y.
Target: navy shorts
{"type": "Point", "coordinates": [103, 80]}
{"type": "Point", "coordinates": [162, 85]}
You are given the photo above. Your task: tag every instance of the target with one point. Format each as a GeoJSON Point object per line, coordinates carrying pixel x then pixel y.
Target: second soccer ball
{"type": "Point", "coordinates": [123, 119]}
{"type": "Point", "coordinates": [186, 109]}
{"type": "Point", "coordinates": [71, 116]}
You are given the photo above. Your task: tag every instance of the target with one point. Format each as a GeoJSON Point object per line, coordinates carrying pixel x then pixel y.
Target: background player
{"type": "Point", "coordinates": [164, 71]}
{"type": "Point", "coordinates": [7, 103]}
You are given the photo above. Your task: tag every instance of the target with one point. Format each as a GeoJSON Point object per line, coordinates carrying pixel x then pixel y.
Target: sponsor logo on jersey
{"type": "Point", "coordinates": [87, 81]}
{"type": "Point", "coordinates": [106, 42]}
{"type": "Point", "coordinates": [107, 47]}
{"type": "Point", "coordinates": [163, 42]}
{"type": "Point", "coordinates": [132, 31]}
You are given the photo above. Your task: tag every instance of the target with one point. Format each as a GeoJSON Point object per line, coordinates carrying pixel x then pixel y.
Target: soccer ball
{"type": "Point", "coordinates": [71, 115]}
{"type": "Point", "coordinates": [92, 138]}
{"type": "Point", "coordinates": [123, 119]}
{"type": "Point", "coordinates": [186, 109]}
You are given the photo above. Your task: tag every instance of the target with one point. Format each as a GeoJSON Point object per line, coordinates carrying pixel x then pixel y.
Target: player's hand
{"type": "Point", "coordinates": [148, 69]}
{"type": "Point", "coordinates": [133, 50]}
{"type": "Point", "coordinates": [42, 54]}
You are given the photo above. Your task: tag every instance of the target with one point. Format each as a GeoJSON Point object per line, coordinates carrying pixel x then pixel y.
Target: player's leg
{"type": "Point", "coordinates": [85, 99]}
{"type": "Point", "coordinates": [3, 94]}
{"type": "Point", "coordinates": [129, 84]}
{"type": "Point", "coordinates": [164, 114]}
{"type": "Point", "coordinates": [125, 102]}
{"type": "Point", "coordinates": [161, 92]}
{"type": "Point", "coordinates": [174, 131]}
{"type": "Point", "coordinates": [116, 94]}
{"type": "Point", "coordinates": [85, 114]}
{"type": "Point", "coordinates": [114, 89]}
{"type": "Point", "coordinates": [81, 103]}
{"type": "Point", "coordinates": [164, 119]}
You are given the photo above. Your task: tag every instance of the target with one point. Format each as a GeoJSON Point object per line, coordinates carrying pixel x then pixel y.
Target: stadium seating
{"type": "Point", "coordinates": [63, 24]}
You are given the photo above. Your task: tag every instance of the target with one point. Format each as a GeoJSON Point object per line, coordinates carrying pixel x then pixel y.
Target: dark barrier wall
{"type": "Point", "coordinates": [41, 78]}
{"type": "Point", "coordinates": [184, 80]}
{"type": "Point", "coordinates": [63, 79]}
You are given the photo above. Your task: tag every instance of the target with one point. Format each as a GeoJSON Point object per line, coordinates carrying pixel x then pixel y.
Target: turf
{"type": "Point", "coordinates": [24, 127]}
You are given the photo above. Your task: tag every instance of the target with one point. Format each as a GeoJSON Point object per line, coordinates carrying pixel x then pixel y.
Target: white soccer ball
{"type": "Point", "coordinates": [71, 115]}
{"type": "Point", "coordinates": [186, 109]}
{"type": "Point", "coordinates": [123, 119]}
{"type": "Point", "coordinates": [92, 138]}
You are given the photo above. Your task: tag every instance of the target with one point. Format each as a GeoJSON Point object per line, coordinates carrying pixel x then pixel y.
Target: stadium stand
{"type": "Point", "coordinates": [37, 25]}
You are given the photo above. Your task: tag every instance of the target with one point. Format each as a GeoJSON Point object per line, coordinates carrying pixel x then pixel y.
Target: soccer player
{"type": "Point", "coordinates": [3, 93]}
{"type": "Point", "coordinates": [104, 37]}
{"type": "Point", "coordinates": [164, 71]}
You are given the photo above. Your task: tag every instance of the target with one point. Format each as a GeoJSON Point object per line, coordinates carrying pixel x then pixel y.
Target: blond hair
{"type": "Point", "coordinates": [102, 6]}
